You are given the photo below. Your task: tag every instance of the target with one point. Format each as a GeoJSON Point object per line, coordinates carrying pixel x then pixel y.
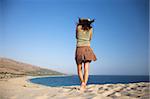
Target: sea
{"type": "Point", "coordinates": [71, 80]}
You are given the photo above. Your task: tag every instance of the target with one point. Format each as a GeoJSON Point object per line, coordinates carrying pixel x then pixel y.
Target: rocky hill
{"type": "Point", "coordinates": [12, 68]}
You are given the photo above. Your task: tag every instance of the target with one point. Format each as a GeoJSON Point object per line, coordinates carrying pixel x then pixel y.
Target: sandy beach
{"type": "Point", "coordinates": [21, 88]}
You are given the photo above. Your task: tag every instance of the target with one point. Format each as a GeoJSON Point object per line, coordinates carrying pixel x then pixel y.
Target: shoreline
{"type": "Point", "coordinates": [22, 88]}
{"type": "Point", "coordinates": [32, 77]}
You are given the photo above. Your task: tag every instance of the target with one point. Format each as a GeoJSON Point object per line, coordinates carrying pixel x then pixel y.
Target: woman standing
{"type": "Point", "coordinates": [84, 54]}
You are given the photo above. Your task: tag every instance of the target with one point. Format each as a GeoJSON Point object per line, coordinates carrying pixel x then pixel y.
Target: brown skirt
{"type": "Point", "coordinates": [83, 54]}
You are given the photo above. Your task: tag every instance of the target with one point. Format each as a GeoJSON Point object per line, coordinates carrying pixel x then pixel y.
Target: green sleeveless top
{"type": "Point", "coordinates": [83, 37]}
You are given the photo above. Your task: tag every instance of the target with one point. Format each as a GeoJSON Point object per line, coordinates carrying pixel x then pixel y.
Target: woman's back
{"type": "Point", "coordinates": [83, 36]}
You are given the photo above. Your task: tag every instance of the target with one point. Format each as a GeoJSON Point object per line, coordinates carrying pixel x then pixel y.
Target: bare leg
{"type": "Point", "coordinates": [86, 72]}
{"type": "Point", "coordinates": [80, 72]}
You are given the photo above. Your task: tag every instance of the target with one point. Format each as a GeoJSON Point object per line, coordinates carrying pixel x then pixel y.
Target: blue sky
{"type": "Point", "coordinates": [42, 32]}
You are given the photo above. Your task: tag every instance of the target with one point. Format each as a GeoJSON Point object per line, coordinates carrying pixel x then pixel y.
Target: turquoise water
{"type": "Point", "coordinates": [93, 79]}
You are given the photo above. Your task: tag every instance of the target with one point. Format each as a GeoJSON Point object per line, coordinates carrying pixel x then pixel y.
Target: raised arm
{"type": "Point", "coordinates": [91, 32]}
{"type": "Point", "coordinates": [78, 29]}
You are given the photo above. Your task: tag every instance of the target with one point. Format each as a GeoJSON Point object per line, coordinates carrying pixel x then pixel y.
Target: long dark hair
{"type": "Point", "coordinates": [85, 23]}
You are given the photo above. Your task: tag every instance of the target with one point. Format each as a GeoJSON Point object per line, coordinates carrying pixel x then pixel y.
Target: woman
{"type": "Point", "coordinates": [84, 53]}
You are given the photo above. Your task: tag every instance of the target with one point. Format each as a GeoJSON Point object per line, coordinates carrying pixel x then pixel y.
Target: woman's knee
{"type": "Point", "coordinates": [79, 66]}
{"type": "Point", "coordinates": [86, 66]}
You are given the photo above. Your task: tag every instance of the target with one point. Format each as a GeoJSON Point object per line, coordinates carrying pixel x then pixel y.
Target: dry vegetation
{"type": "Point", "coordinates": [10, 68]}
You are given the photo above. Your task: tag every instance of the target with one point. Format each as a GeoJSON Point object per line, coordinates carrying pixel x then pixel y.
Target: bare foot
{"type": "Point", "coordinates": [83, 86]}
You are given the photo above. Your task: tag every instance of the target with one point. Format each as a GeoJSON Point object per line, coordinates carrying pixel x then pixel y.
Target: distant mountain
{"type": "Point", "coordinates": [9, 67]}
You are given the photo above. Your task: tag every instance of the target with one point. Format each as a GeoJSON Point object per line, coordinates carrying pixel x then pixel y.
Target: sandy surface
{"type": "Point", "coordinates": [20, 88]}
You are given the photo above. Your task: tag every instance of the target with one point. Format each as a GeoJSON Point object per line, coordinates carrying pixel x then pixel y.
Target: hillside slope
{"type": "Point", "coordinates": [11, 67]}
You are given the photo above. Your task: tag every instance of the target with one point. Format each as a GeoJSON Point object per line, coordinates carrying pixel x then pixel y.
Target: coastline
{"type": "Point", "coordinates": [47, 76]}
{"type": "Point", "coordinates": [22, 88]}
{"type": "Point", "coordinates": [32, 77]}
